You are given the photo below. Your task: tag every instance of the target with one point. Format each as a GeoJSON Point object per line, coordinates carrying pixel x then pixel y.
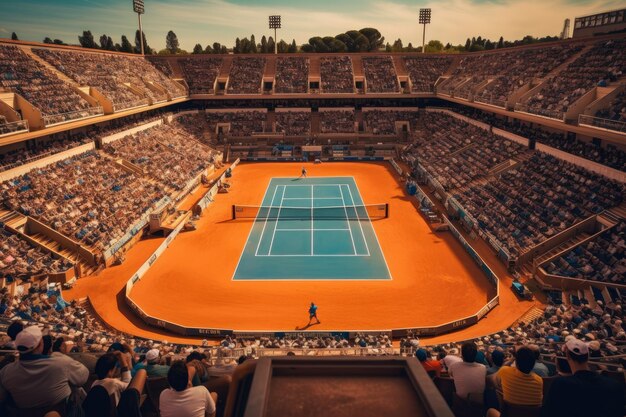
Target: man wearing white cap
{"type": "Point", "coordinates": [37, 380]}
{"type": "Point", "coordinates": [152, 367]}
{"type": "Point", "coordinates": [585, 393]}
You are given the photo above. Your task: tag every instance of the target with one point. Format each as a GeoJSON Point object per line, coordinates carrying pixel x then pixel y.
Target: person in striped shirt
{"type": "Point", "coordinates": [519, 385]}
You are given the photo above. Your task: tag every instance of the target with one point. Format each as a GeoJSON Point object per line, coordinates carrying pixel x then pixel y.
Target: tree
{"type": "Point", "coordinates": [58, 42]}
{"type": "Point", "coordinates": [468, 44]}
{"type": "Point", "coordinates": [283, 47]}
{"type": "Point", "coordinates": [126, 46]}
{"type": "Point", "coordinates": [293, 48]}
{"type": "Point", "coordinates": [208, 50]}
{"type": "Point", "coordinates": [171, 42]}
{"type": "Point", "coordinates": [501, 42]}
{"type": "Point", "coordinates": [264, 45]}
{"type": "Point", "coordinates": [47, 40]}
{"type": "Point", "coordinates": [217, 47]}
{"type": "Point", "coordinates": [106, 43]}
{"type": "Point", "coordinates": [87, 41]}
{"type": "Point", "coordinates": [237, 48]}
{"type": "Point", "coordinates": [197, 49]}
{"type": "Point", "coordinates": [14, 36]}
{"type": "Point", "coordinates": [146, 49]}
{"type": "Point", "coordinates": [355, 41]}
{"type": "Point", "coordinates": [270, 45]}
{"type": "Point", "coordinates": [434, 46]}
{"type": "Point", "coordinates": [253, 48]}
{"type": "Point", "coordinates": [376, 40]}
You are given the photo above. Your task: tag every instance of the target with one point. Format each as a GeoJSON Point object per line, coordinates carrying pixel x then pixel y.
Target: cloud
{"type": "Point", "coordinates": [208, 21]}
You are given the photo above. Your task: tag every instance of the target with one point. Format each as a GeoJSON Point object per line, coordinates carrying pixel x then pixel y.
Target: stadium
{"type": "Point", "coordinates": [443, 230]}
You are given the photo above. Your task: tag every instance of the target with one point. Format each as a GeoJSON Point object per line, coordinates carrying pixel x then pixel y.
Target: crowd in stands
{"type": "Point", "coordinates": [537, 199]}
{"type": "Point", "coordinates": [246, 75]}
{"type": "Point", "coordinates": [293, 123]}
{"type": "Point", "coordinates": [292, 75]}
{"type": "Point", "coordinates": [605, 62]}
{"type": "Point", "coordinates": [383, 122]}
{"type": "Point", "coordinates": [110, 73]}
{"type": "Point", "coordinates": [23, 156]}
{"type": "Point", "coordinates": [608, 155]}
{"type": "Point", "coordinates": [380, 74]}
{"type": "Point", "coordinates": [455, 152]}
{"type": "Point", "coordinates": [165, 152]}
{"type": "Point", "coordinates": [337, 121]}
{"type": "Point", "coordinates": [616, 110]}
{"type": "Point", "coordinates": [88, 198]}
{"type": "Point", "coordinates": [20, 259]}
{"type": "Point", "coordinates": [8, 128]}
{"type": "Point", "coordinates": [23, 75]}
{"type": "Point", "coordinates": [337, 74]}
{"type": "Point", "coordinates": [242, 123]}
{"type": "Point", "coordinates": [162, 65]}
{"type": "Point", "coordinates": [602, 259]}
{"type": "Point", "coordinates": [201, 73]}
{"type": "Point", "coordinates": [424, 72]}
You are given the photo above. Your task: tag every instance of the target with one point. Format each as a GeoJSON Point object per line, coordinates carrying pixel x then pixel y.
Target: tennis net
{"type": "Point", "coordinates": [359, 212]}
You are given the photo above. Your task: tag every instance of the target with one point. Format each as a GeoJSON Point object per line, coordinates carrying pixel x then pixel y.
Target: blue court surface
{"type": "Point", "coordinates": [312, 229]}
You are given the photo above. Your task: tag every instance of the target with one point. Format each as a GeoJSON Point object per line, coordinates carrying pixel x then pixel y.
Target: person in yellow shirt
{"type": "Point", "coordinates": [519, 385]}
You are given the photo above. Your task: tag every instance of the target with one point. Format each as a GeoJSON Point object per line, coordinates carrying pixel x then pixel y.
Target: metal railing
{"type": "Point", "coordinates": [130, 104]}
{"type": "Point", "coordinates": [601, 123]}
{"type": "Point", "coordinates": [53, 119]}
{"type": "Point", "coordinates": [491, 101]}
{"type": "Point", "coordinates": [13, 127]}
{"type": "Point", "coordinates": [552, 114]}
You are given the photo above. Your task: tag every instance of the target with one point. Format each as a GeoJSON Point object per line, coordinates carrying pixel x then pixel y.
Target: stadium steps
{"type": "Point", "coordinates": [315, 123]}
{"type": "Point", "coordinates": [531, 315]}
{"type": "Point", "coordinates": [502, 167]}
{"type": "Point", "coordinates": [616, 213]}
{"type": "Point", "coordinates": [565, 64]}
{"type": "Point", "coordinates": [84, 267]}
{"type": "Point", "coordinates": [571, 243]}
{"type": "Point", "coordinates": [49, 67]}
{"type": "Point", "coordinates": [12, 219]}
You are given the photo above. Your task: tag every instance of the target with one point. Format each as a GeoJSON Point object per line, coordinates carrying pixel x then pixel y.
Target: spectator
{"type": "Point", "coordinates": [519, 385]}
{"type": "Point", "coordinates": [497, 358]}
{"type": "Point", "coordinates": [36, 380]}
{"type": "Point", "coordinates": [106, 370]}
{"type": "Point", "coordinates": [540, 368]}
{"type": "Point", "coordinates": [469, 376]}
{"type": "Point", "coordinates": [182, 400]}
{"type": "Point", "coordinates": [13, 330]}
{"type": "Point", "coordinates": [430, 365]}
{"type": "Point", "coordinates": [585, 393]}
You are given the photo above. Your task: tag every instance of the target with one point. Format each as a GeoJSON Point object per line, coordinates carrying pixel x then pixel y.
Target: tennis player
{"type": "Point", "coordinates": [303, 174]}
{"type": "Point", "coordinates": [313, 313]}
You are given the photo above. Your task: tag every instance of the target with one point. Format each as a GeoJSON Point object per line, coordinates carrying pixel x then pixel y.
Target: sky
{"type": "Point", "coordinates": [208, 21]}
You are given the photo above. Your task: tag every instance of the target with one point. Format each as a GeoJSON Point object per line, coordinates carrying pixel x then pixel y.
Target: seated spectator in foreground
{"type": "Point", "coordinates": [540, 368]}
{"type": "Point", "coordinates": [12, 331]}
{"type": "Point", "coordinates": [152, 366]}
{"type": "Point", "coordinates": [450, 357]}
{"type": "Point", "coordinates": [429, 364]}
{"type": "Point", "coordinates": [585, 393]}
{"type": "Point", "coordinates": [106, 370]}
{"type": "Point", "coordinates": [37, 380]}
{"type": "Point", "coordinates": [183, 400]}
{"type": "Point", "coordinates": [497, 357]}
{"type": "Point", "coordinates": [469, 376]}
{"type": "Point", "coordinates": [519, 385]}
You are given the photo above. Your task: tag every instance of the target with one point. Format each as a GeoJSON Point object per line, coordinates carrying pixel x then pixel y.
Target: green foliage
{"type": "Point", "coordinates": [146, 49]}
{"type": "Point", "coordinates": [171, 42]}
{"type": "Point", "coordinates": [86, 40]}
{"type": "Point", "coordinates": [14, 36]}
{"type": "Point", "coordinates": [198, 49]}
{"type": "Point", "coordinates": [106, 43]}
{"type": "Point", "coordinates": [47, 40]}
{"type": "Point", "coordinates": [126, 46]}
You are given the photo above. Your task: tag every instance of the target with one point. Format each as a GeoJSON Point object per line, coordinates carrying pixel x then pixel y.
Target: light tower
{"type": "Point", "coordinates": [424, 20]}
{"type": "Point", "coordinates": [275, 24]}
{"type": "Point", "coordinates": [139, 9]}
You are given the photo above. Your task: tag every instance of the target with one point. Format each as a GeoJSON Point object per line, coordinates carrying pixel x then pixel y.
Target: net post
{"type": "Point", "coordinates": [233, 209]}
{"type": "Point", "coordinates": [386, 210]}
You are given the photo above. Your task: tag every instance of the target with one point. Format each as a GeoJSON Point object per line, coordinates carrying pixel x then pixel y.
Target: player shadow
{"type": "Point", "coordinates": [307, 326]}
{"type": "Point", "coordinates": [297, 179]}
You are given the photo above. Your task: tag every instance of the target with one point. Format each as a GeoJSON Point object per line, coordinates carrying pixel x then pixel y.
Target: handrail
{"type": "Point", "coordinates": [601, 123]}
{"type": "Point", "coordinates": [13, 127]}
{"type": "Point", "coordinates": [53, 119]}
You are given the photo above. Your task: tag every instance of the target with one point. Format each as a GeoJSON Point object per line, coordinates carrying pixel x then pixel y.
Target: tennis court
{"type": "Point", "coordinates": [312, 228]}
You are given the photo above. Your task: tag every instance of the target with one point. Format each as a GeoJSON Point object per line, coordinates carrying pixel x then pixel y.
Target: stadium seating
{"type": "Point", "coordinates": [424, 72]}
{"type": "Point", "coordinates": [337, 74]}
{"type": "Point", "coordinates": [201, 73]}
{"type": "Point", "coordinates": [246, 75]}
{"type": "Point", "coordinates": [337, 121]}
{"type": "Point", "coordinates": [616, 110]}
{"type": "Point", "coordinates": [383, 122]}
{"type": "Point", "coordinates": [242, 123]}
{"type": "Point", "coordinates": [293, 123]}
{"type": "Point", "coordinates": [292, 75]}
{"type": "Point", "coordinates": [602, 259]}
{"type": "Point", "coordinates": [380, 73]}
{"type": "Point", "coordinates": [28, 78]}
{"type": "Point", "coordinates": [23, 156]}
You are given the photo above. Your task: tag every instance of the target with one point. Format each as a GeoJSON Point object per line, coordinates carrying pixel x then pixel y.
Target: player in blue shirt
{"type": "Point", "coordinates": [313, 313]}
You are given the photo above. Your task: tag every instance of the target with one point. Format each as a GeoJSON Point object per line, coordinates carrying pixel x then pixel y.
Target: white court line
{"type": "Point", "coordinates": [308, 230]}
{"type": "Point", "coordinates": [277, 218]}
{"type": "Point", "coordinates": [348, 220]}
{"type": "Point", "coordinates": [256, 252]}
{"type": "Point", "coordinates": [359, 219]}
{"type": "Point", "coordinates": [309, 198]}
{"type": "Point", "coordinates": [306, 255]}
{"type": "Point", "coordinates": [312, 219]}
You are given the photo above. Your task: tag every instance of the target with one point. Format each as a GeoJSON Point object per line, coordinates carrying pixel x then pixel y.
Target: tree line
{"type": "Point", "coordinates": [363, 40]}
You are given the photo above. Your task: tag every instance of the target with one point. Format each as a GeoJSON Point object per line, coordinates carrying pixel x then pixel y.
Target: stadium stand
{"type": "Point", "coordinates": [383, 122]}
{"type": "Point", "coordinates": [337, 74]}
{"type": "Point", "coordinates": [380, 73]}
{"type": "Point", "coordinates": [602, 259]}
{"type": "Point", "coordinates": [242, 123]}
{"type": "Point", "coordinates": [605, 62]}
{"type": "Point", "coordinates": [424, 72]}
{"type": "Point", "coordinates": [201, 73]}
{"type": "Point", "coordinates": [292, 75]}
{"type": "Point", "coordinates": [162, 65]}
{"type": "Point", "coordinates": [616, 110]}
{"type": "Point", "coordinates": [337, 121]}
{"type": "Point", "coordinates": [28, 78]}
{"type": "Point", "coordinates": [246, 75]}
{"type": "Point", "coordinates": [23, 156]}
{"type": "Point", "coordinates": [293, 123]}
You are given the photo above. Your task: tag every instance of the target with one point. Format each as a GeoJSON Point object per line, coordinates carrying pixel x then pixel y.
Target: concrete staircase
{"type": "Point", "coordinates": [85, 268]}
{"type": "Point", "coordinates": [49, 67]}
{"type": "Point", "coordinates": [531, 315]}
{"type": "Point", "coordinates": [13, 220]}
